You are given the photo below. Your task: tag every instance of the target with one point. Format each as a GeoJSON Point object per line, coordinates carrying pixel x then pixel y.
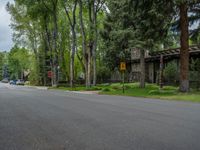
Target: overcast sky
{"type": "Point", "coordinates": [5, 31]}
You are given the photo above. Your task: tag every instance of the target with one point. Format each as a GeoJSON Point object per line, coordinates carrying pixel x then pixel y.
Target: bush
{"type": "Point", "coordinates": [115, 87]}
{"type": "Point", "coordinates": [170, 72]}
{"type": "Point", "coordinates": [27, 83]}
{"type": "Point", "coordinates": [94, 89]}
{"type": "Point", "coordinates": [120, 87]}
{"type": "Point", "coordinates": [162, 92]}
{"type": "Point", "coordinates": [103, 73]}
{"type": "Point", "coordinates": [170, 88]}
{"type": "Point", "coordinates": [106, 90]}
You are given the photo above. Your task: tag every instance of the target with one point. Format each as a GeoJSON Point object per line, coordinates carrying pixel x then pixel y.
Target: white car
{"type": "Point", "coordinates": [5, 80]}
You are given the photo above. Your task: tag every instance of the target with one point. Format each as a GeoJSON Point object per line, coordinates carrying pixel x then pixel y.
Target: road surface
{"type": "Point", "coordinates": [32, 119]}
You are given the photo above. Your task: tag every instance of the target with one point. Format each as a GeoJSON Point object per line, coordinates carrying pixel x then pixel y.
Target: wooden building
{"type": "Point", "coordinates": [152, 60]}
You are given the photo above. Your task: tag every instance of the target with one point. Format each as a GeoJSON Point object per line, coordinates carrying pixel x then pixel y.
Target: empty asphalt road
{"type": "Point", "coordinates": [32, 119]}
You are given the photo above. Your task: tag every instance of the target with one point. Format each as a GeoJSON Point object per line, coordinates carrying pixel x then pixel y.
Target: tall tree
{"type": "Point", "coordinates": [184, 52]}
{"type": "Point", "coordinates": [18, 62]}
{"type": "Point", "coordinates": [194, 18]}
{"type": "Point", "coordinates": [183, 7]}
{"type": "Point", "coordinates": [139, 24]}
{"type": "Point", "coordinates": [52, 7]}
{"type": "Point", "coordinates": [89, 41]}
{"type": "Point", "coordinates": [94, 6]}
{"type": "Point", "coordinates": [84, 45]}
{"type": "Point", "coordinates": [70, 8]}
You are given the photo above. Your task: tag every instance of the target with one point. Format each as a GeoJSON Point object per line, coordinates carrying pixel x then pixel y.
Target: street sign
{"type": "Point", "coordinates": [50, 74]}
{"type": "Point", "coordinates": [122, 66]}
{"type": "Point", "coordinates": [123, 69]}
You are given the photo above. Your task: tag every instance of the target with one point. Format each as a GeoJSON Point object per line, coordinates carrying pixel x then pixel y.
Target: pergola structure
{"type": "Point", "coordinates": [155, 61]}
{"type": "Point", "coordinates": [170, 54]}
{"type": "Point", "coordinates": [193, 50]}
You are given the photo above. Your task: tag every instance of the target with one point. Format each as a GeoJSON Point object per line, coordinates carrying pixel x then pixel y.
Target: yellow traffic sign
{"type": "Point", "coordinates": [122, 66]}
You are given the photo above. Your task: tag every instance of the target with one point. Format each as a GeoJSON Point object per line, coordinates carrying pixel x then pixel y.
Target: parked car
{"type": "Point", "coordinates": [13, 82]}
{"type": "Point", "coordinates": [5, 80]}
{"type": "Point", "coordinates": [20, 82]}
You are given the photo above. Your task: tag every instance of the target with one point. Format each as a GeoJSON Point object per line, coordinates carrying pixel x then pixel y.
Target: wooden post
{"type": "Point", "coordinates": [161, 71]}
{"type": "Point", "coordinates": [123, 82]}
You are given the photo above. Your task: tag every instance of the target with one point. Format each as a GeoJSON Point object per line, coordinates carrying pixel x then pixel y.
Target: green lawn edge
{"type": "Point", "coordinates": [132, 90]}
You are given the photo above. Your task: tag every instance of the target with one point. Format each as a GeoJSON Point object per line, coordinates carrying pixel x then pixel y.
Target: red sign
{"type": "Point", "coordinates": [50, 74]}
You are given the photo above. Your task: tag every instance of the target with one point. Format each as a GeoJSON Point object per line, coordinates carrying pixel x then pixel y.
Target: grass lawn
{"type": "Point", "coordinates": [78, 88]}
{"type": "Point", "coordinates": [132, 89]}
{"type": "Point", "coordinates": [152, 91]}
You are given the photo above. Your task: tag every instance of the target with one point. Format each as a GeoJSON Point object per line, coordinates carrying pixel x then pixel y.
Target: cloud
{"type": "Point", "coordinates": [5, 31]}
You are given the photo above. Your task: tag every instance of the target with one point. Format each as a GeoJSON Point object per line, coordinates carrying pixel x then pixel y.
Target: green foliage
{"type": "Point", "coordinates": [106, 89]}
{"type": "Point", "coordinates": [1, 64]}
{"type": "Point", "coordinates": [162, 92]}
{"type": "Point", "coordinates": [171, 72]}
{"type": "Point", "coordinates": [103, 73]}
{"type": "Point", "coordinates": [195, 65]}
{"type": "Point", "coordinates": [18, 62]}
{"type": "Point", "coordinates": [193, 18]}
{"type": "Point", "coordinates": [34, 77]}
{"type": "Point", "coordinates": [138, 24]}
{"type": "Point", "coordinates": [44, 29]}
{"type": "Point", "coordinates": [153, 91]}
{"type": "Point", "coordinates": [195, 73]}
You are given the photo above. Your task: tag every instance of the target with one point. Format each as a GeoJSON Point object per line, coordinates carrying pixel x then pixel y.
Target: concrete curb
{"type": "Point", "coordinates": [38, 87]}
{"type": "Point", "coordinates": [86, 92]}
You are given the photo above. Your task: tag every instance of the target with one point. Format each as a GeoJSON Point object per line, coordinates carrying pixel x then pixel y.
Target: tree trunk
{"type": "Point", "coordinates": [91, 39]}
{"type": "Point", "coordinates": [89, 67]}
{"type": "Point", "coordinates": [142, 67]}
{"type": "Point", "coordinates": [72, 70]}
{"type": "Point", "coordinates": [95, 44]}
{"type": "Point", "coordinates": [55, 54]}
{"type": "Point", "coordinates": [72, 22]}
{"type": "Point", "coordinates": [49, 47]}
{"type": "Point", "coordinates": [45, 62]}
{"type": "Point", "coordinates": [184, 52]}
{"type": "Point", "coordinates": [161, 72]}
{"type": "Point", "coordinates": [72, 57]}
{"type": "Point", "coordinates": [94, 65]}
{"type": "Point", "coordinates": [84, 45]}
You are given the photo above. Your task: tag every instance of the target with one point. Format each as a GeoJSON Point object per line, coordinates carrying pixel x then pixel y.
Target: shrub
{"type": "Point", "coordinates": [106, 90]}
{"type": "Point", "coordinates": [162, 92]}
{"type": "Point", "coordinates": [94, 89]}
{"type": "Point", "coordinates": [170, 72]}
{"type": "Point", "coordinates": [103, 73]}
{"type": "Point", "coordinates": [170, 88]}
{"type": "Point", "coordinates": [115, 87]}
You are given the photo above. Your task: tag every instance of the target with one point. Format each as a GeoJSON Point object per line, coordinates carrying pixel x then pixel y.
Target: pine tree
{"type": "Point", "coordinates": [138, 24]}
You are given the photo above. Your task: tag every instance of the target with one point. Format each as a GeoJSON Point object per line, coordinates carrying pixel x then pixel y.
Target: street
{"type": "Point", "coordinates": [33, 119]}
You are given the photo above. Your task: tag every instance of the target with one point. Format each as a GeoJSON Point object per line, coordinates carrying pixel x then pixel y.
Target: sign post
{"type": "Point", "coordinates": [50, 74]}
{"type": "Point", "coordinates": [123, 69]}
